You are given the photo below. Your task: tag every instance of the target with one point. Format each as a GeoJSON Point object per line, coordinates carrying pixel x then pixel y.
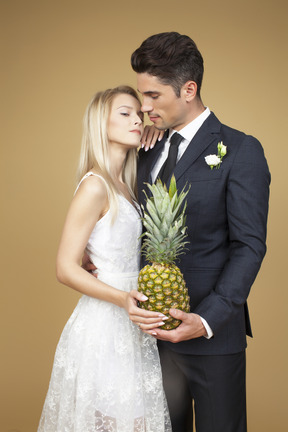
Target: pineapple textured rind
{"type": "Point", "coordinates": [165, 288]}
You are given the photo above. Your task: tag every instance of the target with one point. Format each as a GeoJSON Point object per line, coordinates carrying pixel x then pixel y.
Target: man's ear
{"type": "Point", "coordinates": [189, 90]}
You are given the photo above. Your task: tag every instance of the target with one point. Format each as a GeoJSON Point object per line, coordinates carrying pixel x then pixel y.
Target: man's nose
{"type": "Point", "coordinates": [146, 106]}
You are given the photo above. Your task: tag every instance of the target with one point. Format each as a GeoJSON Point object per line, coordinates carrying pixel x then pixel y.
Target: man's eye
{"type": "Point", "coordinates": [154, 97]}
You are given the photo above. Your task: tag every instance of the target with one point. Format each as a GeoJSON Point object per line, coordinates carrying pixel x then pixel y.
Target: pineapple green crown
{"type": "Point", "coordinates": [164, 220]}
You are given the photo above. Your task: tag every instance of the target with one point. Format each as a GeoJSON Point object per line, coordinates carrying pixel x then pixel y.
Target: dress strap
{"type": "Point", "coordinates": [88, 174]}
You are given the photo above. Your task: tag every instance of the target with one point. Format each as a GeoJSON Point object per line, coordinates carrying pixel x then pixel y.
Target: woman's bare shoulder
{"type": "Point", "coordinates": [94, 186]}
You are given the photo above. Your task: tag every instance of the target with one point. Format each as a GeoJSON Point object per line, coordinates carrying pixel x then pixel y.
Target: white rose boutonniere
{"type": "Point", "coordinates": [216, 160]}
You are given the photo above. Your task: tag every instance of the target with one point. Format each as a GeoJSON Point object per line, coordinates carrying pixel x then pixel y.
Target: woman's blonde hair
{"type": "Point", "coordinates": [94, 149]}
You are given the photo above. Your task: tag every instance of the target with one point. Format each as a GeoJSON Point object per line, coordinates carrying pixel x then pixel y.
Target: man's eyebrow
{"type": "Point", "coordinates": [149, 92]}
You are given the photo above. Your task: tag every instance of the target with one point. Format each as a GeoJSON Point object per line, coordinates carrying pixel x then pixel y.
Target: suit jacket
{"type": "Point", "coordinates": [226, 218]}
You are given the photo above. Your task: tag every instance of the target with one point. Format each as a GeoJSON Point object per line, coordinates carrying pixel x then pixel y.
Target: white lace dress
{"type": "Point", "coordinates": [106, 374]}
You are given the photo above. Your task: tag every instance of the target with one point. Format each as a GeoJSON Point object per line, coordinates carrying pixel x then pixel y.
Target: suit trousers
{"type": "Point", "coordinates": [215, 383]}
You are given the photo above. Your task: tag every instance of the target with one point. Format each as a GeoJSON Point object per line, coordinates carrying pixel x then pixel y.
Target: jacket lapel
{"type": "Point", "coordinates": [207, 133]}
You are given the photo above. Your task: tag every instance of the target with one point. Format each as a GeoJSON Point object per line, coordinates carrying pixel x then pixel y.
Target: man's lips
{"type": "Point", "coordinates": [153, 117]}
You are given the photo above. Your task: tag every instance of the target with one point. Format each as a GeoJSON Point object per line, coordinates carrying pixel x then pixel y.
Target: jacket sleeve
{"type": "Point", "coordinates": [247, 198]}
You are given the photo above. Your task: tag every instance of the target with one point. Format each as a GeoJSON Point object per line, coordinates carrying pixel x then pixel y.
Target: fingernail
{"type": "Point", "coordinates": [144, 297]}
{"type": "Point", "coordinates": [161, 323]}
{"type": "Point", "coordinates": [165, 318]}
{"type": "Point", "coordinates": [152, 146]}
{"type": "Point", "coordinates": [142, 145]}
{"type": "Point", "coordinates": [154, 333]}
{"type": "Point", "coordinates": [146, 148]}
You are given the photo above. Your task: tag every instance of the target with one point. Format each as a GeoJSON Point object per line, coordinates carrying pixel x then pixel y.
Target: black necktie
{"type": "Point", "coordinates": [170, 162]}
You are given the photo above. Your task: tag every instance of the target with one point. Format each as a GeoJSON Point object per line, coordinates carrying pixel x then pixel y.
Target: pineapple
{"type": "Point", "coordinates": [161, 281]}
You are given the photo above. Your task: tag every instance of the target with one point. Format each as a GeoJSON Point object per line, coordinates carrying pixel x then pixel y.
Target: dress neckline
{"type": "Point", "coordinates": [131, 205]}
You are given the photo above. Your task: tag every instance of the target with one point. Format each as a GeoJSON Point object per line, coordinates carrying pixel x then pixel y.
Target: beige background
{"type": "Point", "coordinates": [55, 55]}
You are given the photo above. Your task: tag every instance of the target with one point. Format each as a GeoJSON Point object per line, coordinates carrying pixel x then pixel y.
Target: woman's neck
{"type": "Point", "coordinates": [117, 156]}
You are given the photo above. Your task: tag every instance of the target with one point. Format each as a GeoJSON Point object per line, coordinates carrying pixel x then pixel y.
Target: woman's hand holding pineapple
{"type": "Point", "coordinates": [145, 319]}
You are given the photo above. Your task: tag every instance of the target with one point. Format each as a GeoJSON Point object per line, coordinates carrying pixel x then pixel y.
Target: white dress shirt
{"type": "Point", "coordinates": [188, 133]}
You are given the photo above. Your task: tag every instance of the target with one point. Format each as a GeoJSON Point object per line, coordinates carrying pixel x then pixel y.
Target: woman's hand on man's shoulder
{"type": "Point", "coordinates": [151, 136]}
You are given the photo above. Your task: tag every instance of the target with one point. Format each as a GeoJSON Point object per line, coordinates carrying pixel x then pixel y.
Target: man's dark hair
{"type": "Point", "coordinates": [173, 58]}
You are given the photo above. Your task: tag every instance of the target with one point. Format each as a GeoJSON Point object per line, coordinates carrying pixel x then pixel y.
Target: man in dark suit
{"type": "Point", "coordinates": [203, 360]}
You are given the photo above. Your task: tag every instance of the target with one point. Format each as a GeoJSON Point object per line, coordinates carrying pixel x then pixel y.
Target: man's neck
{"type": "Point", "coordinates": [196, 109]}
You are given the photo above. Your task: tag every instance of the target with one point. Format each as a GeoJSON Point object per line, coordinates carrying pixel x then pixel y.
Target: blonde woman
{"type": "Point", "coordinates": [106, 374]}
